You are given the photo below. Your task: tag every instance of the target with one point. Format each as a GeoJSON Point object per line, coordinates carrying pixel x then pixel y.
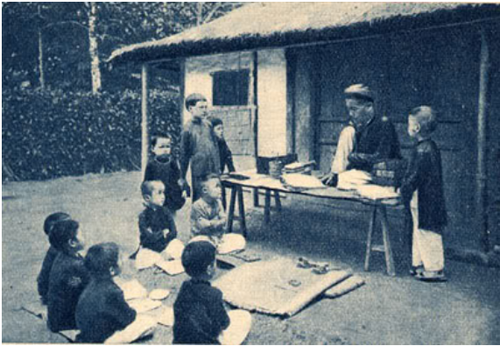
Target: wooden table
{"type": "Point", "coordinates": [274, 186]}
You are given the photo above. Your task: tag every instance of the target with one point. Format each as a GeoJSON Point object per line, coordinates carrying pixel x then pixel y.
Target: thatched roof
{"type": "Point", "coordinates": [278, 24]}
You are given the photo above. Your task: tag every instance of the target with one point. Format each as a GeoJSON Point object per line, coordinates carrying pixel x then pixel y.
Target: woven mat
{"type": "Point", "coordinates": [276, 287]}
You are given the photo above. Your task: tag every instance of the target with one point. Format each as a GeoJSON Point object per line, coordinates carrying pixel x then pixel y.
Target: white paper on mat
{"type": "Point", "coordinates": [166, 316]}
{"type": "Point", "coordinates": [146, 258]}
{"type": "Point", "coordinates": [144, 305]}
{"type": "Point", "coordinates": [231, 242]}
{"type": "Point", "coordinates": [159, 294]}
{"type": "Point", "coordinates": [171, 267]}
{"type": "Point", "coordinates": [239, 327]}
{"type": "Point", "coordinates": [132, 289]}
{"type": "Point", "coordinates": [142, 326]}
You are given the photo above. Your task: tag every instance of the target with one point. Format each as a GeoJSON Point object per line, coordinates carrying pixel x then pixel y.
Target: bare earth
{"type": "Point", "coordinates": [399, 310]}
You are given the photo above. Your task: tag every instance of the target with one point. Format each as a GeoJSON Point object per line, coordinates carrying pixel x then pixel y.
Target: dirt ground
{"type": "Point", "coordinates": [399, 310]}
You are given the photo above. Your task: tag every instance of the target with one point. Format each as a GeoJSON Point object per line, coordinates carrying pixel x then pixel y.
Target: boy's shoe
{"type": "Point", "coordinates": [431, 276]}
{"type": "Point", "coordinates": [416, 270]}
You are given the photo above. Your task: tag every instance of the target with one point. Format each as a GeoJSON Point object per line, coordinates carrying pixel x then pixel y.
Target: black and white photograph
{"type": "Point", "coordinates": [251, 173]}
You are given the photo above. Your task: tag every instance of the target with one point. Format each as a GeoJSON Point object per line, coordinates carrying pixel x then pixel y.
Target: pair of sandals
{"type": "Point", "coordinates": [319, 268]}
{"type": "Point", "coordinates": [427, 275]}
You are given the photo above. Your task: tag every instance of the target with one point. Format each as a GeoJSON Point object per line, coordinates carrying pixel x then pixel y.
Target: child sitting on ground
{"type": "Point", "coordinates": [208, 219]}
{"type": "Point", "coordinates": [156, 227]}
{"type": "Point", "coordinates": [226, 157]}
{"type": "Point", "coordinates": [50, 256]}
{"type": "Point", "coordinates": [199, 313]}
{"type": "Point", "coordinates": [422, 192]}
{"type": "Point", "coordinates": [68, 276]}
{"type": "Point", "coordinates": [163, 167]}
{"type": "Point", "coordinates": [102, 310]}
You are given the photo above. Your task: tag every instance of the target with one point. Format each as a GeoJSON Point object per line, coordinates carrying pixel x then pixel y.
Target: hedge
{"type": "Point", "coordinates": [49, 134]}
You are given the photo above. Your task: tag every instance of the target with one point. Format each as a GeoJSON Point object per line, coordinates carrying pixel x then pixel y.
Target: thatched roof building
{"type": "Point", "coordinates": [261, 25]}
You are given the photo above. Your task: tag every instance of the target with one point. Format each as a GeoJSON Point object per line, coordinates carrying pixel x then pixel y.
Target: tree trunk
{"type": "Point", "coordinates": [40, 52]}
{"type": "Point", "coordinates": [94, 57]}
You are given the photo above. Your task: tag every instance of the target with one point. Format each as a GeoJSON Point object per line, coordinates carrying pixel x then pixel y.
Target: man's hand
{"type": "Point", "coordinates": [330, 179]}
{"type": "Point", "coordinates": [358, 158]}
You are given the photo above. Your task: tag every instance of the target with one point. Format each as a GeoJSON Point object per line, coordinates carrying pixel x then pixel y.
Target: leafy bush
{"type": "Point", "coordinates": [48, 134]}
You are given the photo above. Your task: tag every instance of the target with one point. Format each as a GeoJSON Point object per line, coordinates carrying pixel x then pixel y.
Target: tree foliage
{"type": "Point", "coordinates": [62, 128]}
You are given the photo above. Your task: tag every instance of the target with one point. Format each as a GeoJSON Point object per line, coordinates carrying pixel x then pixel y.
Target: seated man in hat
{"type": "Point", "coordinates": [367, 137]}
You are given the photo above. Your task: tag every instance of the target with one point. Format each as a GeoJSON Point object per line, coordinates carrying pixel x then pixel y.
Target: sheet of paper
{"type": "Point", "coordinates": [144, 305]}
{"type": "Point", "coordinates": [171, 267]}
{"type": "Point", "coordinates": [166, 317]}
{"type": "Point", "coordinates": [132, 289]}
{"type": "Point", "coordinates": [159, 294]}
{"type": "Point", "coordinates": [302, 181]}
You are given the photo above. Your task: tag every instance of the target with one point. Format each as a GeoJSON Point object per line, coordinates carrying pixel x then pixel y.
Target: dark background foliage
{"type": "Point", "coordinates": [48, 134]}
{"type": "Point", "coordinates": [56, 120]}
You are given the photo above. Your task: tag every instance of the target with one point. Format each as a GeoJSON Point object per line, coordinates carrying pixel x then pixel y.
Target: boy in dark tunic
{"type": "Point", "coordinates": [68, 276]}
{"type": "Point", "coordinates": [226, 157]}
{"type": "Point", "coordinates": [102, 309]}
{"type": "Point", "coordinates": [198, 146]}
{"type": "Point", "coordinates": [157, 230]}
{"type": "Point", "coordinates": [162, 166]}
{"type": "Point", "coordinates": [199, 313]}
{"type": "Point", "coordinates": [50, 256]}
{"type": "Point", "coordinates": [422, 192]}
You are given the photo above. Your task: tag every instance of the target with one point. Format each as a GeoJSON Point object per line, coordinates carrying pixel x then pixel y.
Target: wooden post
{"type": "Point", "coordinates": [182, 89]}
{"type": "Point", "coordinates": [255, 67]}
{"type": "Point", "coordinates": [144, 124]}
{"type": "Point", "coordinates": [482, 121]}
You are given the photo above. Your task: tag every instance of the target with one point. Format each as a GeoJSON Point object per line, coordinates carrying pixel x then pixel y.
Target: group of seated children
{"type": "Point", "coordinates": [80, 292]}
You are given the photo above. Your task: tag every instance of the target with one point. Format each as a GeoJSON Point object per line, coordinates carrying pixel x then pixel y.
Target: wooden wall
{"type": "Point", "coordinates": [439, 68]}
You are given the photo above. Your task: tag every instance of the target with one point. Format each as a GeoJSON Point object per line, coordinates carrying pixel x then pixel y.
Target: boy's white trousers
{"type": "Point", "coordinates": [427, 246]}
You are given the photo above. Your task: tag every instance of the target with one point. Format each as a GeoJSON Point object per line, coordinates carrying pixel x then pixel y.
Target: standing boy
{"type": "Point", "coordinates": [422, 191]}
{"type": "Point", "coordinates": [68, 276]}
{"type": "Point", "coordinates": [226, 157]}
{"type": "Point", "coordinates": [198, 145]}
{"type": "Point", "coordinates": [163, 167]}
{"type": "Point", "coordinates": [199, 313]}
{"type": "Point", "coordinates": [50, 256]}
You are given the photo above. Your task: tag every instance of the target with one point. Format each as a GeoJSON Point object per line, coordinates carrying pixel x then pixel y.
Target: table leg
{"type": "Point", "coordinates": [267, 207]}
{"type": "Point", "coordinates": [389, 260]}
{"type": "Point", "coordinates": [255, 197]}
{"type": "Point", "coordinates": [241, 206]}
{"type": "Point", "coordinates": [230, 214]}
{"type": "Point", "coordinates": [369, 238]}
{"type": "Point", "coordinates": [223, 195]}
{"type": "Point", "coordinates": [277, 200]}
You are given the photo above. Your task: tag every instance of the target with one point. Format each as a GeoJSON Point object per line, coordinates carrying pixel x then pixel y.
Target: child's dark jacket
{"type": "Point", "coordinates": [101, 311]}
{"type": "Point", "coordinates": [68, 278]}
{"type": "Point", "coordinates": [425, 176]}
{"type": "Point", "coordinates": [169, 174]}
{"type": "Point", "coordinates": [44, 276]}
{"type": "Point", "coordinates": [226, 157]}
{"type": "Point", "coordinates": [199, 314]}
{"type": "Point", "coordinates": [152, 221]}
